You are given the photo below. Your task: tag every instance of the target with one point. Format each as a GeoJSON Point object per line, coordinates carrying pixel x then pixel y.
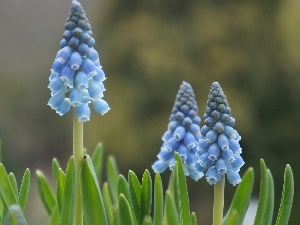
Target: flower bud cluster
{"type": "Point", "coordinates": [77, 77]}
{"type": "Point", "coordinates": [219, 148]}
{"type": "Point", "coordinates": [182, 135]}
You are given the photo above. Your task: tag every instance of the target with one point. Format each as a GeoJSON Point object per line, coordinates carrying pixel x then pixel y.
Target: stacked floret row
{"type": "Point", "coordinates": [77, 77]}
{"type": "Point", "coordinates": [219, 148]}
{"type": "Point", "coordinates": [182, 135]}
{"type": "Point", "coordinates": [214, 149]}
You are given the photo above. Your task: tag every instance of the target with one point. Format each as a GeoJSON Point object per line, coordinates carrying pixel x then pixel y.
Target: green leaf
{"type": "Point", "coordinates": [184, 205]}
{"type": "Point", "coordinates": [135, 193]}
{"type": "Point", "coordinates": [112, 178]}
{"type": "Point", "coordinates": [97, 159]}
{"type": "Point", "coordinates": [126, 216]}
{"type": "Point", "coordinates": [233, 218]}
{"type": "Point", "coordinates": [14, 216]}
{"type": "Point", "coordinates": [270, 200]}
{"type": "Point", "coordinates": [91, 195]}
{"type": "Point", "coordinates": [158, 201]}
{"type": "Point", "coordinates": [176, 185]}
{"type": "Point", "coordinates": [60, 185]}
{"type": "Point", "coordinates": [242, 197]}
{"type": "Point", "coordinates": [24, 189]}
{"type": "Point", "coordinates": [55, 168]}
{"type": "Point", "coordinates": [69, 195]}
{"type": "Point", "coordinates": [116, 216]}
{"type": "Point", "coordinates": [263, 195]}
{"type": "Point", "coordinates": [146, 195]}
{"type": "Point", "coordinates": [123, 188]}
{"type": "Point", "coordinates": [108, 203]}
{"type": "Point", "coordinates": [286, 198]}
{"type": "Point", "coordinates": [171, 213]}
{"type": "Point", "coordinates": [193, 219]}
{"type": "Point", "coordinates": [13, 182]}
{"type": "Point", "coordinates": [55, 216]}
{"type": "Point", "coordinates": [0, 153]}
{"type": "Point", "coordinates": [45, 192]}
{"type": "Point", "coordinates": [147, 221]}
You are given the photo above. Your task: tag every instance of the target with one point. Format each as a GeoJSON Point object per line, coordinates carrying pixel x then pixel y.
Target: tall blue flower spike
{"type": "Point", "coordinates": [77, 77]}
{"type": "Point", "coordinates": [182, 135]}
{"type": "Point", "coordinates": [219, 149]}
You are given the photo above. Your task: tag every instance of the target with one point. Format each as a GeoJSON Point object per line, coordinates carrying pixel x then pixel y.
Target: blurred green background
{"type": "Point", "coordinates": [147, 48]}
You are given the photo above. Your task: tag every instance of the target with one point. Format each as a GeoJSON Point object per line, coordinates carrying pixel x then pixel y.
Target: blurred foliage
{"type": "Point", "coordinates": [148, 48]}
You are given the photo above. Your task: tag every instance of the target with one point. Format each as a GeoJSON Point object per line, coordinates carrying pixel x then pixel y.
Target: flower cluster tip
{"type": "Point", "coordinates": [76, 78]}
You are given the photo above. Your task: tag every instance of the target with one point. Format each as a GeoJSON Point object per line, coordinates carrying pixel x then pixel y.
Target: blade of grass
{"type": "Point", "coordinates": [108, 203]}
{"type": "Point", "coordinates": [69, 195]}
{"type": "Point", "coordinates": [112, 178]}
{"type": "Point", "coordinates": [270, 200]}
{"type": "Point", "coordinates": [135, 193]}
{"type": "Point", "coordinates": [60, 185]}
{"type": "Point", "coordinates": [126, 216]}
{"type": "Point", "coordinates": [13, 182]}
{"type": "Point", "coordinates": [97, 159]}
{"type": "Point", "coordinates": [242, 196]}
{"type": "Point", "coordinates": [171, 213]}
{"type": "Point", "coordinates": [91, 195]}
{"type": "Point", "coordinates": [55, 168]}
{"type": "Point", "coordinates": [193, 219]}
{"type": "Point", "coordinates": [55, 216]}
{"type": "Point", "coordinates": [24, 189]}
{"type": "Point", "coordinates": [184, 205]}
{"type": "Point", "coordinates": [147, 221]}
{"type": "Point", "coordinates": [286, 198]}
{"type": "Point", "coordinates": [233, 218]}
{"type": "Point", "coordinates": [146, 196]}
{"type": "Point", "coordinates": [123, 188]}
{"type": "Point", "coordinates": [45, 192]}
{"type": "Point", "coordinates": [158, 201]}
{"type": "Point", "coordinates": [263, 195]}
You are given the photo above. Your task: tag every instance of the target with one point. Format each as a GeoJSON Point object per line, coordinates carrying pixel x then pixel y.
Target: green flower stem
{"type": "Point", "coordinates": [78, 154]}
{"type": "Point", "coordinates": [218, 202]}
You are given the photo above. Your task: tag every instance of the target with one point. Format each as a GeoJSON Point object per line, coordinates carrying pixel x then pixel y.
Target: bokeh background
{"type": "Point", "coordinates": [147, 48]}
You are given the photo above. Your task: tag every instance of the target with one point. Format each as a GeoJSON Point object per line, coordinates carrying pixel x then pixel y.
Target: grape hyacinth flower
{"type": "Point", "coordinates": [219, 148]}
{"type": "Point", "coordinates": [182, 135]}
{"type": "Point", "coordinates": [77, 77]}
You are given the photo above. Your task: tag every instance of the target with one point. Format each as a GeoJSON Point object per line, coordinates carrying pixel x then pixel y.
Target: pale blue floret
{"type": "Point", "coordinates": [76, 74]}
{"type": "Point", "coordinates": [95, 89]}
{"type": "Point", "coordinates": [67, 75]}
{"type": "Point", "coordinates": [179, 133]}
{"type": "Point", "coordinates": [82, 80]}
{"type": "Point", "coordinates": [212, 175]}
{"type": "Point", "coordinates": [64, 107]}
{"type": "Point", "coordinates": [56, 100]}
{"type": "Point", "coordinates": [182, 135]}
{"type": "Point", "coordinates": [76, 97]}
{"type": "Point", "coordinates": [100, 106]}
{"type": "Point", "coordinates": [233, 177]}
{"type": "Point", "coordinates": [221, 166]}
{"type": "Point", "coordinates": [56, 83]}
{"type": "Point", "coordinates": [75, 61]}
{"type": "Point", "coordinates": [213, 152]}
{"type": "Point", "coordinates": [100, 75]}
{"type": "Point", "coordinates": [219, 149]}
{"type": "Point", "coordinates": [89, 67]}
{"type": "Point", "coordinates": [57, 67]}
{"type": "Point", "coordinates": [160, 166]}
{"type": "Point", "coordinates": [83, 113]}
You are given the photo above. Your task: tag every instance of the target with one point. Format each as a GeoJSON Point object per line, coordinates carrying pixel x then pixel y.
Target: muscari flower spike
{"type": "Point", "coordinates": [77, 77]}
{"type": "Point", "coordinates": [219, 148]}
{"type": "Point", "coordinates": [182, 135]}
